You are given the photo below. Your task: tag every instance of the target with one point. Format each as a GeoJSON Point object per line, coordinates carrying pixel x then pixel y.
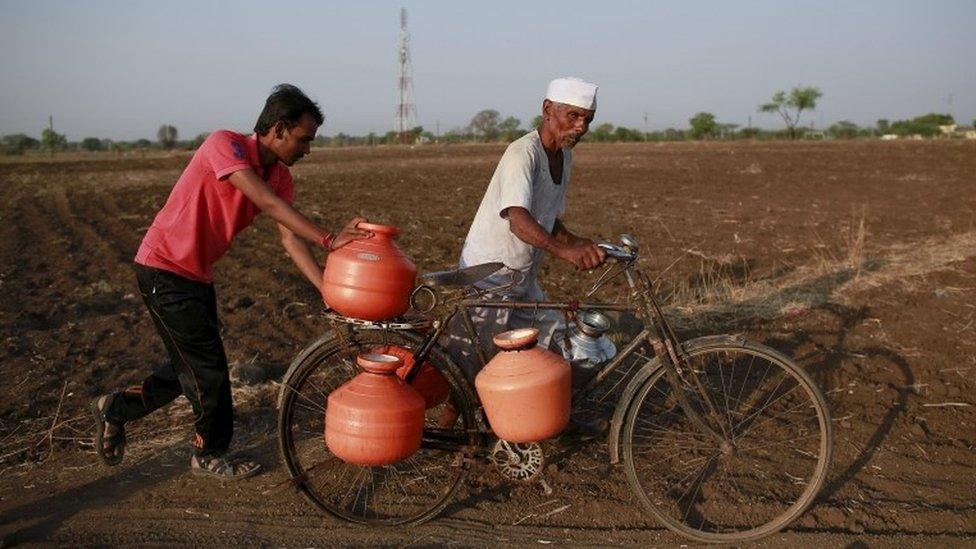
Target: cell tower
{"type": "Point", "coordinates": [406, 112]}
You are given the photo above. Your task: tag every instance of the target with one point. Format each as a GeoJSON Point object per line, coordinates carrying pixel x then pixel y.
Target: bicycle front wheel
{"type": "Point", "coordinates": [409, 491]}
{"type": "Point", "coordinates": [757, 465]}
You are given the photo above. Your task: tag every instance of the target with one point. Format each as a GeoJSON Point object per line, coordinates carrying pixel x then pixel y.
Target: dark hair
{"type": "Point", "coordinates": [286, 104]}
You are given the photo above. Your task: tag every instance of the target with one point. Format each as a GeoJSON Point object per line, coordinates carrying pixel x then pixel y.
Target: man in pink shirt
{"type": "Point", "coordinates": [230, 179]}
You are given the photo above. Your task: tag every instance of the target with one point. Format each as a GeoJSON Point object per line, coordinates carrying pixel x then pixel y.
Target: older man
{"type": "Point", "coordinates": [519, 218]}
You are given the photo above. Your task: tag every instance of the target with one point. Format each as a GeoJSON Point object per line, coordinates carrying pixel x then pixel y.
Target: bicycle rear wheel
{"type": "Point", "coordinates": [409, 491]}
{"type": "Point", "coordinates": [765, 462]}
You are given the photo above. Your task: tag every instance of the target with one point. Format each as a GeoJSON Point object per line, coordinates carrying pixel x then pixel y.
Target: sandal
{"type": "Point", "coordinates": [111, 448]}
{"type": "Point", "coordinates": [223, 468]}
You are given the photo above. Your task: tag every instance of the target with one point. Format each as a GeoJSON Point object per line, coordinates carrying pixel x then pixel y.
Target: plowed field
{"type": "Point", "coordinates": [858, 259]}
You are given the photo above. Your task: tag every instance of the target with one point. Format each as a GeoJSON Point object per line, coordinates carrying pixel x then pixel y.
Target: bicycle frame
{"type": "Point", "coordinates": [657, 335]}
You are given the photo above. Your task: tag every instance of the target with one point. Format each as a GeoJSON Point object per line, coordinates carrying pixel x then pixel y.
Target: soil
{"type": "Point", "coordinates": [856, 258]}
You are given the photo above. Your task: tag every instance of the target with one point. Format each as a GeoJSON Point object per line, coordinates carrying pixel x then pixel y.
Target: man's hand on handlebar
{"type": "Point", "coordinates": [616, 252]}
{"type": "Point", "coordinates": [583, 253]}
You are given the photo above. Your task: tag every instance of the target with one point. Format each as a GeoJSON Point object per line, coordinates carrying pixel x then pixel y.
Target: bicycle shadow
{"type": "Point", "coordinates": [826, 363]}
{"type": "Point", "coordinates": [500, 492]}
{"type": "Point", "coordinates": [827, 368]}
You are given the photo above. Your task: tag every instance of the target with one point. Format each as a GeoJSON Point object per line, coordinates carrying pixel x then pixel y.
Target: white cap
{"type": "Point", "coordinates": [573, 91]}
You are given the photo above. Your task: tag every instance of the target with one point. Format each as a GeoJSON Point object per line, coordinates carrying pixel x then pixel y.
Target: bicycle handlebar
{"type": "Point", "coordinates": [616, 252]}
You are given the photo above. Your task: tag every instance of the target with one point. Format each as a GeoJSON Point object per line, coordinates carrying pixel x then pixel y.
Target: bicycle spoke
{"type": "Point", "coordinates": [698, 484]}
{"type": "Point", "coordinates": [767, 403]}
{"type": "Point", "coordinates": [411, 490]}
{"type": "Point", "coordinates": [753, 482]}
{"type": "Point", "coordinates": [780, 443]}
{"type": "Point", "coordinates": [767, 420]}
{"type": "Point", "coordinates": [725, 395]}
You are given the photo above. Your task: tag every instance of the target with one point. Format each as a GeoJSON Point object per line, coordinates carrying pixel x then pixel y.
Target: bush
{"type": "Point", "coordinates": [845, 129]}
{"type": "Point", "coordinates": [91, 144]}
{"type": "Point", "coordinates": [926, 125]}
{"type": "Point", "coordinates": [18, 143]}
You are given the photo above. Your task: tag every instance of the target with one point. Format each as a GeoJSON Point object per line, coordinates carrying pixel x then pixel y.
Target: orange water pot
{"type": "Point", "coordinates": [369, 279]}
{"type": "Point", "coordinates": [427, 381]}
{"type": "Point", "coordinates": [375, 418]}
{"type": "Point", "coordinates": [526, 390]}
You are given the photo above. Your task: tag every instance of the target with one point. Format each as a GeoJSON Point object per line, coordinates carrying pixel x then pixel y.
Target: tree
{"type": "Point", "coordinates": [672, 134]}
{"type": "Point", "coordinates": [749, 133]}
{"type": "Point", "coordinates": [52, 140]}
{"type": "Point", "coordinates": [485, 124]}
{"type": "Point", "coordinates": [725, 131]}
{"type": "Point", "coordinates": [702, 125]}
{"type": "Point", "coordinates": [883, 126]}
{"type": "Point", "coordinates": [509, 128]}
{"type": "Point", "coordinates": [91, 144]}
{"type": "Point", "coordinates": [627, 134]}
{"type": "Point", "coordinates": [790, 108]}
{"type": "Point", "coordinates": [18, 143]}
{"type": "Point", "coordinates": [199, 139]}
{"type": "Point", "coordinates": [845, 129]}
{"type": "Point", "coordinates": [536, 122]}
{"type": "Point", "coordinates": [603, 132]}
{"type": "Point", "coordinates": [167, 136]}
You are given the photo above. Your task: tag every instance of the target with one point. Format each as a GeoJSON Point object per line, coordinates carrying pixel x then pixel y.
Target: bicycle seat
{"type": "Point", "coordinates": [461, 277]}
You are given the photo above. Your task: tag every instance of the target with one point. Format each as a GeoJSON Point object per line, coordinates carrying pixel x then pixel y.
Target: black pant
{"type": "Point", "coordinates": [185, 315]}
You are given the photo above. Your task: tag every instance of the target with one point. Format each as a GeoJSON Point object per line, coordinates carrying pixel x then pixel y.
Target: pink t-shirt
{"type": "Point", "coordinates": [205, 211]}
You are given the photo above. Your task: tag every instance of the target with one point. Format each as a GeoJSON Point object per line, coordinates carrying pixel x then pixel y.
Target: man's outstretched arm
{"type": "Point", "coordinates": [253, 187]}
{"type": "Point", "coordinates": [580, 252]}
{"type": "Point", "coordinates": [562, 234]}
{"type": "Point", "coordinates": [300, 253]}
{"type": "Point", "coordinates": [281, 211]}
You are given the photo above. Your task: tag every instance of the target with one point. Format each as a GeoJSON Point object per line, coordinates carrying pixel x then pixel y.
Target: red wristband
{"type": "Point", "coordinates": [327, 241]}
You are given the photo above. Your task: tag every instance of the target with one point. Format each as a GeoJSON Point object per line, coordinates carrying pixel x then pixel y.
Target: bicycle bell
{"type": "Point", "coordinates": [629, 243]}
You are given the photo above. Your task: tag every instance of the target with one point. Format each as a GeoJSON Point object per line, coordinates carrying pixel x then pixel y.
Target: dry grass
{"type": "Point", "coordinates": [33, 441]}
{"type": "Point", "coordinates": [726, 288]}
{"type": "Point", "coordinates": [855, 242]}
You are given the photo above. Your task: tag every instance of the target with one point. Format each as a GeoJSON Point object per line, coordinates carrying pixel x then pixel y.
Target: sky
{"type": "Point", "coordinates": [120, 69]}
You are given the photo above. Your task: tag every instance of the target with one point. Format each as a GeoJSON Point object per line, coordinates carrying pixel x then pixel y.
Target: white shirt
{"type": "Point", "coordinates": [521, 179]}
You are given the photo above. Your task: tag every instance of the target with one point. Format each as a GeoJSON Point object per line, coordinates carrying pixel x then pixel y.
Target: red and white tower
{"type": "Point", "coordinates": [406, 111]}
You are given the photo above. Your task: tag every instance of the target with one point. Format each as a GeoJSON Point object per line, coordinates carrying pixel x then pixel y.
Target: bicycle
{"type": "Point", "coordinates": [713, 449]}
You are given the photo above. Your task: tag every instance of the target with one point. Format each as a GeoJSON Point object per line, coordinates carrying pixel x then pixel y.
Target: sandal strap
{"type": "Point", "coordinates": [221, 466]}
{"type": "Point", "coordinates": [110, 447]}
{"type": "Point", "coordinates": [101, 411]}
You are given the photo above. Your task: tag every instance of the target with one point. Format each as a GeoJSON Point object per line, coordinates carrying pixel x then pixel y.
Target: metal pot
{"type": "Point", "coordinates": [592, 323]}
